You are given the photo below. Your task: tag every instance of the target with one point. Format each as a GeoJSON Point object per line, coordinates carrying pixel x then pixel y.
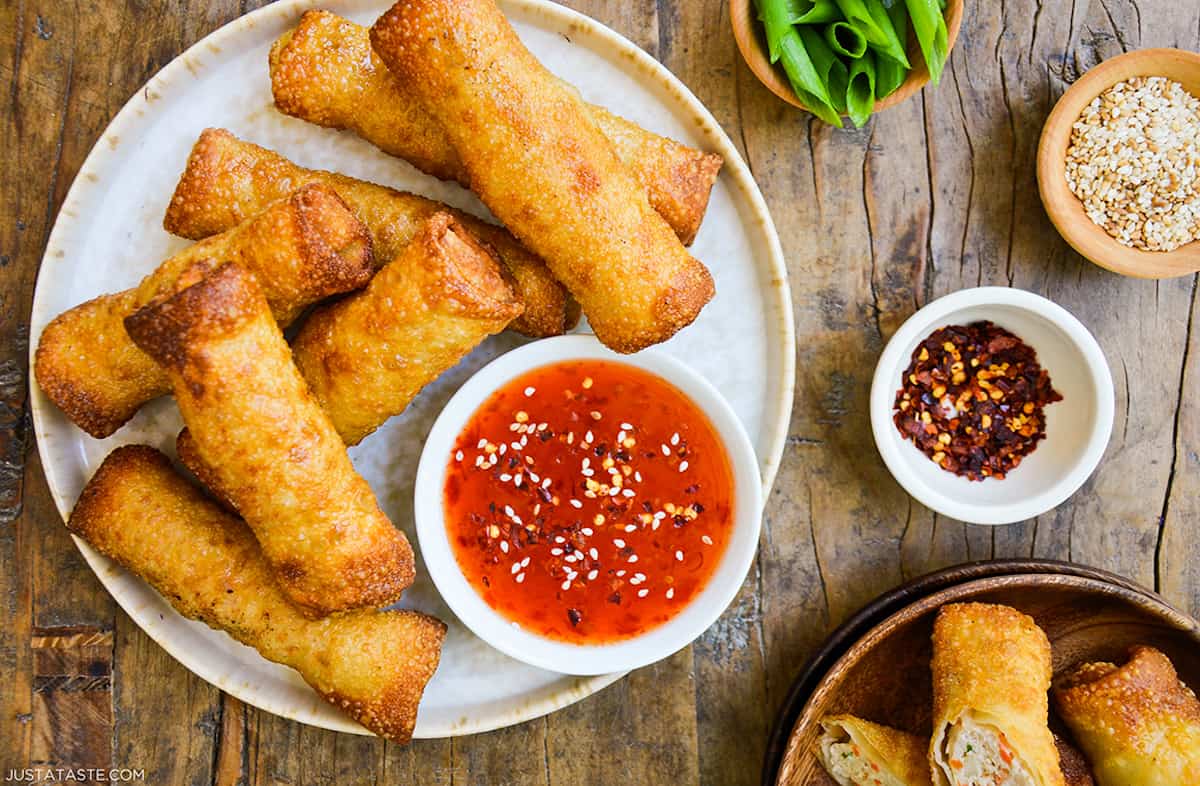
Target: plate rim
{"type": "Point", "coordinates": [127, 118]}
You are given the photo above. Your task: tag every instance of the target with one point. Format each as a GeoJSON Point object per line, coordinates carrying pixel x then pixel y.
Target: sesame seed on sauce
{"type": "Point", "coordinates": [561, 562]}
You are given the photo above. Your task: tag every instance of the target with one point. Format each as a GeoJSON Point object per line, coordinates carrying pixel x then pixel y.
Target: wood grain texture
{"type": "Point", "coordinates": [932, 196]}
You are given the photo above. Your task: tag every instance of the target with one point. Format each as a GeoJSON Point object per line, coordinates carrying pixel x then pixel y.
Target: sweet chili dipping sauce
{"type": "Point", "coordinates": [588, 501]}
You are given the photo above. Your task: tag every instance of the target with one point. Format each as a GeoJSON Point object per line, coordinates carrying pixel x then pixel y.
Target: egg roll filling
{"type": "Point", "coordinates": [850, 765]}
{"type": "Point", "coordinates": [977, 754]}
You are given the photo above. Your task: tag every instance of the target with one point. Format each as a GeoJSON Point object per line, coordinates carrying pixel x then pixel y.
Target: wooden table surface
{"type": "Point", "coordinates": [932, 196]}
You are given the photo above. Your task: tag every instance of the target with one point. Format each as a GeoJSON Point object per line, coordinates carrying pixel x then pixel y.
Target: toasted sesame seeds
{"type": "Point", "coordinates": [707, 540]}
{"type": "Point", "coordinates": [595, 414]}
{"type": "Point", "coordinates": [521, 417]}
{"type": "Point", "coordinates": [1133, 162]}
{"type": "Point", "coordinates": [587, 383]}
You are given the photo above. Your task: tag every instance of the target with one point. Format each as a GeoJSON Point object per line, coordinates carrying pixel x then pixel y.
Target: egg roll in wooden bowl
{"type": "Point", "coordinates": [998, 625]}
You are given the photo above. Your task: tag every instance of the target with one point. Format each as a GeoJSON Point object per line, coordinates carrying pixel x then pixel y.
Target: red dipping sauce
{"type": "Point", "coordinates": [588, 501]}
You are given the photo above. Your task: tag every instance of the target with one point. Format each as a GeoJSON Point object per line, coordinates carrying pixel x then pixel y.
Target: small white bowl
{"type": "Point", "coordinates": [564, 657]}
{"type": "Point", "coordinates": [1077, 428]}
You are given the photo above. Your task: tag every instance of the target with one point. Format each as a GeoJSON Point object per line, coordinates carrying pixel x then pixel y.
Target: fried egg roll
{"type": "Point", "coordinates": [303, 248]}
{"type": "Point", "coordinates": [227, 179]}
{"type": "Point", "coordinates": [272, 450]}
{"type": "Point", "coordinates": [856, 752]}
{"type": "Point", "coordinates": [991, 674]}
{"type": "Point", "coordinates": [325, 72]}
{"type": "Point", "coordinates": [536, 158]}
{"type": "Point", "coordinates": [1137, 723]}
{"type": "Point", "coordinates": [373, 665]}
{"type": "Point", "coordinates": [367, 356]}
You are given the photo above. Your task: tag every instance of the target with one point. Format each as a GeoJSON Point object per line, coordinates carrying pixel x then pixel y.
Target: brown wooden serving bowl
{"type": "Point", "coordinates": [884, 676]}
{"type": "Point", "coordinates": [1064, 208]}
{"type": "Point", "coordinates": [752, 42]}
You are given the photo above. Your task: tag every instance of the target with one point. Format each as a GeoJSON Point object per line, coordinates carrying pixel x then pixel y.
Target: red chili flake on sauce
{"type": "Point", "coordinates": [589, 501]}
{"type": "Point", "coordinates": [972, 400]}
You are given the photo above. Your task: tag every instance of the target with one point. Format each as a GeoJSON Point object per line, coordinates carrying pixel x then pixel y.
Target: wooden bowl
{"type": "Point", "coordinates": [1064, 208]}
{"type": "Point", "coordinates": [751, 41]}
{"type": "Point", "coordinates": [856, 626]}
{"type": "Point", "coordinates": [885, 676]}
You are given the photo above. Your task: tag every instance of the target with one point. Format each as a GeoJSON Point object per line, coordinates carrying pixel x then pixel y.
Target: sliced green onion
{"type": "Point", "coordinates": [830, 69]}
{"type": "Point", "coordinates": [814, 12]}
{"type": "Point", "coordinates": [890, 74]}
{"type": "Point", "coordinates": [930, 28]}
{"type": "Point", "coordinates": [845, 39]}
{"type": "Point", "coordinates": [860, 92]}
{"type": "Point", "coordinates": [871, 19]}
{"type": "Point", "coordinates": [804, 78]}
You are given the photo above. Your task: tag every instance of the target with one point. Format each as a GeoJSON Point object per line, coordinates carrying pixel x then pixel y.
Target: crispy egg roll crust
{"type": "Point", "coordinates": [538, 161]}
{"type": "Point", "coordinates": [903, 753]}
{"type": "Point", "coordinates": [303, 248]}
{"type": "Point", "coordinates": [367, 356]}
{"type": "Point", "coordinates": [993, 662]}
{"type": "Point", "coordinates": [227, 179]}
{"type": "Point", "coordinates": [1137, 723]}
{"type": "Point", "coordinates": [272, 450]}
{"type": "Point", "coordinates": [324, 71]}
{"type": "Point", "coordinates": [138, 511]}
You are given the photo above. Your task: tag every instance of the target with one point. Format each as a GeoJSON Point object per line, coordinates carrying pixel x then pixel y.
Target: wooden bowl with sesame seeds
{"type": "Point", "coordinates": [885, 675]}
{"type": "Point", "coordinates": [1066, 211]}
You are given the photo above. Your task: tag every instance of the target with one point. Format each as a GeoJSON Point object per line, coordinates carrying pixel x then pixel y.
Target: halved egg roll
{"type": "Point", "coordinates": [372, 665]}
{"type": "Point", "coordinates": [271, 448]}
{"type": "Point", "coordinates": [536, 158]}
{"type": "Point", "coordinates": [1137, 723]}
{"type": "Point", "coordinates": [367, 356]}
{"type": "Point", "coordinates": [325, 72]}
{"type": "Point", "coordinates": [856, 752]}
{"type": "Point", "coordinates": [227, 179]}
{"type": "Point", "coordinates": [303, 248]}
{"type": "Point", "coordinates": [991, 673]}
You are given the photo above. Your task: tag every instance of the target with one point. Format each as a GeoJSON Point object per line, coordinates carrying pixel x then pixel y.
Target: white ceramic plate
{"type": "Point", "coordinates": [108, 235]}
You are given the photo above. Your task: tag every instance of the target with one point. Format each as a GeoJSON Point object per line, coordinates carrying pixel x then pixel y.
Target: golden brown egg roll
{"type": "Point", "coordinates": [325, 72]}
{"type": "Point", "coordinates": [991, 674]}
{"type": "Point", "coordinates": [227, 179]}
{"type": "Point", "coordinates": [303, 247]}
{"type": "Point", "coordinates": [856, 752]}
{"type": "Point", "coordinates": [1137, 723]}
{"type": "Point", "coordinates": [373, 665]}
{"type": "Point", "coordinates": [536, 158]}
{"type": "Point", "coordinates": [367, 356]}
{"type": "Point", "coordinates": [271, 448]}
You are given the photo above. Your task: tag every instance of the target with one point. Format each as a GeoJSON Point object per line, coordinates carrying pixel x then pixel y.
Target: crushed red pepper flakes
{"type": "Point", "coordinates": [972, 400]}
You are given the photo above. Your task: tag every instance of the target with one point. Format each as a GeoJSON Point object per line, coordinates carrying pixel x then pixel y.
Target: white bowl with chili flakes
{"type": "Point", "coordinates": [1077, 428]}
{"type": "Point", "coordinates": [587, 512]}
